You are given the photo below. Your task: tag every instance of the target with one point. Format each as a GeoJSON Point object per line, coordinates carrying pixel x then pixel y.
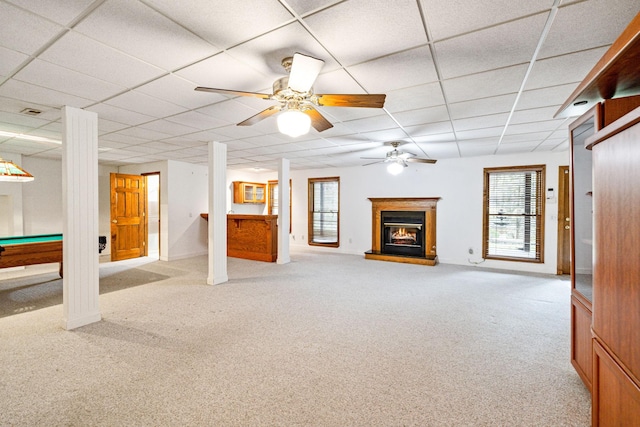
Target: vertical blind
{"type": "Point", "coordinates": [324, 203]}
{"type": "Point", "coordinates": [513, 214]}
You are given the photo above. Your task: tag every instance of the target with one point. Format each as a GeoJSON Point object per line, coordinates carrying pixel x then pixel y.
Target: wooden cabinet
{"type": "Point", "coordinates": [613, 86]}
{"type": "Point", "coordinates": [253, 237]}
{"type": "Point", "coordinates": [616, 280]}
{"type": "Point", "coordinates": [249, 192]}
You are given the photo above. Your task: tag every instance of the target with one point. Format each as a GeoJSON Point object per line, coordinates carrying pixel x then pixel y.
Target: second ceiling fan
{"type": "Point", "coordinates": [296, 99]}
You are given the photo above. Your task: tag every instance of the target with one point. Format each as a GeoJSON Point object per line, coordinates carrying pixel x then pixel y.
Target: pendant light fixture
{"type": "Point", "coordinates": [10, 172]}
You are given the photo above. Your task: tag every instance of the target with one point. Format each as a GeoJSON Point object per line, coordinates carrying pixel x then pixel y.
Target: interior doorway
{"type": "Point", "coordinates": [153, 214]}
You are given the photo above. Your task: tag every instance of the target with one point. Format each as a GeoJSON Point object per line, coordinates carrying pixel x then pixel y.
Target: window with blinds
{"type": "Point", "coordinates": [514, 213]}
{"type": "Point", "coordinates": [324, 210]}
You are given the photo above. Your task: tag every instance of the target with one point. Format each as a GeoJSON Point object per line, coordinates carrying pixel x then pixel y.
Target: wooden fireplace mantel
{"type": "Point", "coordinates": [421, 204]}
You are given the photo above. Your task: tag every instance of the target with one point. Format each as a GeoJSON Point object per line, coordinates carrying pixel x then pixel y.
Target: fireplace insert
{"type": "Point", "coordinates": [402, 233]}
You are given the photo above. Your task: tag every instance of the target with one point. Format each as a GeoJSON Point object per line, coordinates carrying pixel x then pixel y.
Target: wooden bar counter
{"type": "Point", "coordinates": [252, 236]}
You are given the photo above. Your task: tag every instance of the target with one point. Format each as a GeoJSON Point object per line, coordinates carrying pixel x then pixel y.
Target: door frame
{"type": "Point", "coordinates": [564, 195]}
{"type": "Point", "coordinates": [112, 209]}
{"type": "Point", "coordinates": [146, 174]}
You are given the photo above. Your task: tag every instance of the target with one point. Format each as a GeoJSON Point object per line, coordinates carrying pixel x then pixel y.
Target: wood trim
{"type": "Point", "coordinates": [310, 211]}
{"type": "Point", "coordinates": [485, 212]}
{"type": "Point", "coordinates": [419, 204]}
{"type": "Point", "coordinates": [564, 202]}
{"type": "Point", "coordinates": [625, 122]}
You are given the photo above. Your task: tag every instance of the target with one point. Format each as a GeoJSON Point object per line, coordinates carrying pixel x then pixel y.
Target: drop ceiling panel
{"type": "Point", "coordinates": [439, 150]}
{"type": "Point", "coordinates": [265, 53]}
{"type": "Point", "coordinates": [225, 24]}
{"type": "Point", "coordinates": [10, 60]}
{"type": "Point", "coordinates": [302, 7]}
{"type": "Point", "coordinates": [23, 31]}
{"type": "Point", "coordinates": [546, 96]}
{"type": "Point", "coordinates": [140, 102]}
{"type": "Point", "coordinates": [65, 80]}
{"type": "Point", "coordinates": [482, 85]}
{"type": "Point", "coordinates": [367, 34]}
{"type": "Point", "coordinates": [231, 111]}
{"type": "Point", "coordinates": [136, 63]}
{"type": "Point", "coordinates": [423, 96]}
{"type": "Point", "coordinates": [534, 114]}
{"type": "Point", "coordinates": [548, 125]}
{"type": "Point", "coordinates": [446, 18]}
{"type": "Point", "coordinates": [422, 116]}
{"type": "Point", "coordinates": [197, 121]}
{"type": "Point", "coordinates": [481, 122]}
{"type": "Point", "coordinates": [426, 129]}
{"type": "Point", "coordinates": [138, 30]}
{"type": "Point", "coordinates": [563, 69]}
{"type": "Point", "coordinates": [224, 72]}
{"type": "Point", "coordinates": [408, 68]}
{"type": "Point", "coordinates": [120, 115]}
{"type": "Point", "coordinates": [604, 19]}
{"type": "Point", "coordinates": [508, 44]}
{"type": "Point", "coordinates": [97, 60]}
{"type": "Point", "coordinates": [483, 106]}
{"type": "Point", "coordinates": [179, 91]}
{"type": "Point", "coordinates": [139, 132]}
{"type": "Point", "coordinates": [31, 93]}
{"type": "Point", "coordinates": [168, 127]}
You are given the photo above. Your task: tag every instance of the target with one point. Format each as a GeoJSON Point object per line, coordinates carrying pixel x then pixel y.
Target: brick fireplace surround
{"type": "Point", "coordinates": [421, 204]}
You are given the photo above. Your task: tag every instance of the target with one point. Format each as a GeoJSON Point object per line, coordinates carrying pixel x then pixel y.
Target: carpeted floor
{"type": "Point", "coordinates": [327, 340]}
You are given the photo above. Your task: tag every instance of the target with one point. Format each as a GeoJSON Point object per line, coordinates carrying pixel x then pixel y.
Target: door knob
{"type": "Point", "coordinates": [115, 221]}
{"type": "Point", "coordinates": [566, 227]}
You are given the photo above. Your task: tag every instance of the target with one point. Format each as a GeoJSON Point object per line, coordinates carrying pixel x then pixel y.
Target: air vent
{"type": "Point", "coordinates": [31, 112]}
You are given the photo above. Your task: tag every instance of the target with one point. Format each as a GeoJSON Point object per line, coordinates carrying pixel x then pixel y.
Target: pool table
{"type": "Point", "coordinates": [18, 251]}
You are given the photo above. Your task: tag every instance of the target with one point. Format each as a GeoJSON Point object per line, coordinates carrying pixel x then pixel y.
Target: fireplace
{"type": "Point", "coordinates": [404, 230]}
{"type": "Point", "coordinates": [402, 233]}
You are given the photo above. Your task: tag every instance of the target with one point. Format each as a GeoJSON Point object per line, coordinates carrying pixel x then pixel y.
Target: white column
{"type": "Point", "coordinates": [283, 212]}
{"type": "Point", "coordinates": [80, 286]}
{"type": "Point", "coordinates": [217, 213]}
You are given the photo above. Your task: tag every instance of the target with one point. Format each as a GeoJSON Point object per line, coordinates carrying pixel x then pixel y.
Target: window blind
{"type": "Point", "coordinates": [324, 212]}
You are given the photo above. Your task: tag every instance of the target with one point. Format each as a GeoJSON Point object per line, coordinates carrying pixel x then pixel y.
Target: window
{"type": "Point", "coordinates": [513, 214]}
{"type": "Point", "coordinates": [324, 208]}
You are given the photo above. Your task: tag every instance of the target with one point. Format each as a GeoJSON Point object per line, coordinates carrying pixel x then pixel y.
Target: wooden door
{"type": "Point", "coordinates": [564, 222]}
{"type": "Point", "coordinates": [128, 216]}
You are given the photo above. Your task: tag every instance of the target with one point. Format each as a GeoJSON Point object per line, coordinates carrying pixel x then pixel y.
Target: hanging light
{"type": "Point", "coordinates": [294, 123]}
{"type": "Point", "coordinates": [396, 167]}
{"type": "Point", "coordinates": [11, 172]}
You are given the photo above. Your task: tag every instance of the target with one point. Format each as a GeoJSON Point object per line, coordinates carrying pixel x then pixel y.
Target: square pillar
{"type": "Point", "coordinates": [217, 213]}
{"type": "Point", "coordinates": [81, 283]}
{"type": "Point", "coordinates": [283, 212]}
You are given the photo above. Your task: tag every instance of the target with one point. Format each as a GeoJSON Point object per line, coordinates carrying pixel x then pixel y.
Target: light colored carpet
{"type": "Point", "coordinates": [327, 340]}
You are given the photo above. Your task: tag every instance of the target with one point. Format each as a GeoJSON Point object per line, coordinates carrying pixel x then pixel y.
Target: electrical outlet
{"type": "Point", "coordinates": [470, 251]}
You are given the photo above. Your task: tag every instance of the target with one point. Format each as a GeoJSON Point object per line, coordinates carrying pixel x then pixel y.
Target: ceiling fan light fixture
{"type": "Point", "coordinates": [10, 172]}
{"type": "Point", "coordinates": [396, 167]}
{"type": "Point", "coordinates": [294, 123]}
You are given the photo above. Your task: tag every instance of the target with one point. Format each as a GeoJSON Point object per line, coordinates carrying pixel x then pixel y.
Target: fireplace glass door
{"type": "Point", "coordinates": [403, 233]}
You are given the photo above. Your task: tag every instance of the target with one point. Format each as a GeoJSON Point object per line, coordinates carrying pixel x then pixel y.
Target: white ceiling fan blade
{"type": "Point", "coordinates": [304, 70]}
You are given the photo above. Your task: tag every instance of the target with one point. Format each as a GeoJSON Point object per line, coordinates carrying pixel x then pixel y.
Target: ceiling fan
{"type": "Point", "coordinates": [397, 160]}
{"type": "Point", "coordinates": [296, 99]}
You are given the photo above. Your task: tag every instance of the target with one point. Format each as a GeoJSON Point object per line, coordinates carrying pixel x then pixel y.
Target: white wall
{"type": "Point", "coordinates": [12, 194]}
{"type": "Point", "coordinates": [43, 199]}
{"type": "Point", "coordinates": [183, 197]}
{"type": "Point", "coordinates": [459, 184]}
{"type": "Point", "coordinates": [184, 189]}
